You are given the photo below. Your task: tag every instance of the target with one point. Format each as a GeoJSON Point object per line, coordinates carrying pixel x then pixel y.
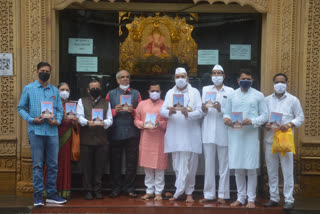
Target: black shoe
{"type": "Point", "coordinates": [98, 195]}
{"type": "Point", "coordinates": [88, 196]}
{"type": "Point", "coordinates": [114, 194]}
{"type": "Point", "coordinates": [288, 206]}
{"type": "Point", "coordinates": [271, 204]}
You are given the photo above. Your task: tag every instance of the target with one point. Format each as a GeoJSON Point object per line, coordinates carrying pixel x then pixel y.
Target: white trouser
{"type": "Point", "coordinates": [210, 150]}
{"type": "Point", "coordinates": [185, 166]}
{"type": "Point", "coordinates": [243, 189]}
{"type": "Point", "coordinates": [154, 180]}
{"type": "Point", "coordinates": [272, 161]}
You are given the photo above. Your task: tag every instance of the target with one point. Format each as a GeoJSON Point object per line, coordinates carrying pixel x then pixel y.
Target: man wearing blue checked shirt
{"type": "Point", "coordinates": [43, 133]}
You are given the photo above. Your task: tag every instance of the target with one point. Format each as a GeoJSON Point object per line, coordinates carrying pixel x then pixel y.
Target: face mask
{"type": "Point", "coordinates": [95, 92]}
{"type": "Point", "coordinates": [43, 76]}
{"type": "Point", "coordinates": [217, 80]}
{"type": "Point", "coordinates": [154, 95]}
{"type": "Point", "coordinates": [124, 87]}
{"type": "Point", "coordinates": [245, 84]}
{"type": "Point", "coordinates": [64, 95]}
{"type": "Point", "coordinates": [181, 83]}
{"type": "Point", "coordinates": [280, 88]}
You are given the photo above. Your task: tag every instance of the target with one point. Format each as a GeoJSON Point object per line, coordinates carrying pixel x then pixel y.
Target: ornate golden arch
{"type": "Point", "coordinates": [176, 30]}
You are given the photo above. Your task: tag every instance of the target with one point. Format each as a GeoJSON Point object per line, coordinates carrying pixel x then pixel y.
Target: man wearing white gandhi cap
{"type": "Point", "coordinates": [215, 137]}
{"type": "Point", "coordinates": [183, 135]}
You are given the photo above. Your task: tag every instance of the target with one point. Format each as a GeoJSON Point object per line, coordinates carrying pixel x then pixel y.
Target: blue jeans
{"type": "Point", "coordinates": [44, 147]}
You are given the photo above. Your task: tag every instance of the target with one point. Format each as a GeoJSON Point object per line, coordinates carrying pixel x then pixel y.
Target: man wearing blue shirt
{"type": "Point", "coordinates": [43, 133]}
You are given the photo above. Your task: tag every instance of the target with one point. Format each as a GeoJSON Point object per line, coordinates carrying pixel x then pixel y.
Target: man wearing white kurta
{"type": "Point", "coordinates": [244, 144]}
{"type": "Point", "coordinates": [215, 138]}
{"type": "Point", "coordinates": [183, 135]}
{"type": "Point", "coordinates": [292, 116]}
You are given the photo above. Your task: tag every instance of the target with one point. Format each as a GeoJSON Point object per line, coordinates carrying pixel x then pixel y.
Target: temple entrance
{"type": "Point", "coordinates": [97, 43]}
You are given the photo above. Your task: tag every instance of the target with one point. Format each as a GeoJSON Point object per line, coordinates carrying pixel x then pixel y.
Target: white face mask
{"type": "Point", "coordinates": [124, 87]}
{"type": "Point", "coordinates": [64, 95]}
{"type": "Point", "coordinates": [217, 80]}
{"type": "Point", "coordinates": [280, 88]}
{"type": "Point", "coordinates": [181, 82]}
{"type": "Point", "coordinates": [154, 95]}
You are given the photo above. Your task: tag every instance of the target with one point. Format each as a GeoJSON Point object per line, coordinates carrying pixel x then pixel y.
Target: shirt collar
{"type": "Point", "coordinates": [150, 100]}
{"type": "Point", "coordinates": [184, 91]}
{"type": "Point", "coordinates": [222, 88]}
{"type": "Point", "coordinates": [128, 90]}
{"type": "Point", "coordinates": [39, 85]}
{"type": "Point", "coordinates": [249, 90]}
{"type": "Point", "coordinates": [283, 96]}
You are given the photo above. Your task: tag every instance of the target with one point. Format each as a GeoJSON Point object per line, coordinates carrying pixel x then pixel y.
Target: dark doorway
{"type": "Point", "coordinates": [211, 32]}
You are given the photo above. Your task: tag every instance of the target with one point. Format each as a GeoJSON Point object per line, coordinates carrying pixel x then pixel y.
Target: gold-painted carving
{"type": "Point", "coordinates": [156, 44]}
{"type": "Point", "coordinates": [312, 150]}
{"type": "Point", "coordinates": [36, 36]}
{"type": "Point", "coordinates": [24, 187]}
{"type": "Point", "coordinates": [8, 148]}
{"type": "Point", "coordinates": [25, 184]}
{"type": "Point", "coordinates": [7, 164]}
{"type": "Point", "coordinates": [310, 166]}
{"type": "Point", "coordinates": [312, 69]}
{"type": "Point", "coordinates": [26, 169]}
{"type": "Point", "coordinates": [7, 106]}
{"type": "Point", "coordinates": [7, 84]}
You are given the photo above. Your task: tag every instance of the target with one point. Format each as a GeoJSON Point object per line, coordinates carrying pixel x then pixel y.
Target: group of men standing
{"type": "Point", "coordinates": [196, 126]}
{"type": "Point", "coordinates": [185, 132]}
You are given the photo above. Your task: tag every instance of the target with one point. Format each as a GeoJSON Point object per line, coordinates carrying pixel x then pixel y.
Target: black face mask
{"type": "Point", "coordinates": [95, 92]}
{"type": "Point", "coordinates": [44, 76]}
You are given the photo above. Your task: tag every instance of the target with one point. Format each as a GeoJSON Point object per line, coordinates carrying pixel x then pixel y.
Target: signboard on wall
{"type": "Point", "coordinates": [6, 64]}
{"type": "Point", "coordinates": [80, 46]}
{"type": "Point", "coordinates": [208, 57]}
{"type": "Point", "coordinates": [240, 52]}
{"type": "Point", "coordinates": [87, 64]}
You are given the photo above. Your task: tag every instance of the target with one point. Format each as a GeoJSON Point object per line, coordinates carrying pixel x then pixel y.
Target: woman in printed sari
{"type": "Point", "coordinates": [67, 129]}
{"type": "Point", "coordinates": [69, 146]}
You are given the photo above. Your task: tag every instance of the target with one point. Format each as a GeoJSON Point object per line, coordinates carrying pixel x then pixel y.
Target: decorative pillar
{"type": "Point", "coordinates": [36, 32]}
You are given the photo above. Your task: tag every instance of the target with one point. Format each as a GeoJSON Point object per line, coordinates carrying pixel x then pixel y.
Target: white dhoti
{"type": "Point", "coordinates": [245, 190]}
{"type": "Point", "coordinates": [185, 166]}
{"type": "Point", "coordinates": [210, 150]}
{"type": "Point", "coordinates": [272, 161]}
{"type": "Point", "coordinates": [154, 180]}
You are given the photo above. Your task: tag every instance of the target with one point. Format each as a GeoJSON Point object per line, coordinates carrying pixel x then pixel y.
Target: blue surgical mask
{"type": "Point", "coordinates": [245, 84]}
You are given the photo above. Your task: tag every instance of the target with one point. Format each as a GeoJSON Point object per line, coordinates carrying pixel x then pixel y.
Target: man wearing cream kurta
{"type": "Point", "coordinates": [215, 138]}
{"type": "Point", "coordinates": [183, 135]}
{"type": "Point", "coordinates": [244, 143]}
